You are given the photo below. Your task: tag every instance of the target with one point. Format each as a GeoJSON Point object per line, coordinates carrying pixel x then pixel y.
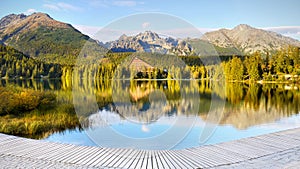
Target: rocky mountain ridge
{"type": "Point", "coordinates": [248, 39]}
{"type": "Point", "coordinates": [38, 34]}
{"type": "Point", "coordinates": [149, 42]}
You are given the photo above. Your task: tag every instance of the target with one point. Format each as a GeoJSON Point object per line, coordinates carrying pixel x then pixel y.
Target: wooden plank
{"type": "Point", "coordinates": [155, 161]}
{"type": "Point", "coordinates": [72, 155]}
{"type": "Point", "coordinates": [165, 161]}
{"type": "Point", "coordinates": [286, 139]}
{"type": "Point", "coordinates": [202, 156]}
{"type": "Point", "coordinates": [257, 142]}
{"type": "Point", "coordinates": [31, 147]}
{"type": "Point", "coordinates": [238, 150]}
{"type": "Point", "coordinates": [14, 145]}
{"type": "Point", "coordinates": [292, 136]}
{"type": "Point", "coordinates": [200, 163]}
{"type": "Point", "coordinates": [89, 156]}
{"type": "Point", "coordinates": [131, 161]}
{"type": "Point", "coordinates": [51, 151]}
{"type": "Point", "coordinates": [179, 160]}
{"type": "Point", "coordinates": [230, 155]}
{"type": "Point", "coordinates": [207, 152]}
{"type": "Point", "coordinates": [43, 149]}
{"type": "Point", "coordinates": [97, 156]}
{"type": "Point", "coordinates": [8, 142]}
{"type": "Point", "coordinates": [158, 159]}
{"type": "Point", "coordinates": [3, 138]}
{"type": "Point", "coordinates": [244, 149]}
{"type": "Point", "coordinates": [173, 160]}
{"type": "Point", "coordinates": [77, 155]}
{"type": "Point", "coordinates": [48, 149]}
{"type": "Point", "coordinates": [137, 163]}
{"type": "Point", "coordinates": [295, 131]}
{"type": "Point", "coordinates": [278, 140]}
{"type": "Point", "coordinates": [61, 152]}
{"type": "Point", "coordinates": [116, 156]}
{"type": "Point", "coordinates": [113, 156]}
{"type": "Point", "coordinates": [150, 161]}
{"type": "Point", "coordinates": [109, 153]}
{"type": "Point", "coordinates": [127, 159]}
{"type": "Point", "coordinates": [82, 155]}
{"type": "Point", "coordinates": [144, 163]}
{"type": "Point", "coordinates": [128, 153]}
{"type": "Point", "coordinates": [189, 160]}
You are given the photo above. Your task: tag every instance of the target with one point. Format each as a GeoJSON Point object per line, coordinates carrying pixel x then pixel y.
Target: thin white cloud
{"type": "Point", "coordinates": [51, 7]}
{"type": "Point", "coordinates": [109, 3]}
{"type": "Point", "coordinates": [66, 6]}
{"type": "Point", "coordinates": [284, 29]}
{"type": "Point", "coordinates": [127, 3]}
{"type": "Point", "coordinates": [289, 31]}
{"type": "Point", "coordinates": [146, 25]}
{"type": "Point", "coordinates": [97, 3]}
{"type": "Point", "coordinates": [29, 11]}
{"type": "Point", "coordinates": [204, 30]}
{"type": "Point", "coordinates": [109, 34]}
{"type": "Point", "coordinates": [88, 30]}
{"type": "Point", "coordinates": [105, 35]}
{"type": "Point", "coordinates": [62, 7]}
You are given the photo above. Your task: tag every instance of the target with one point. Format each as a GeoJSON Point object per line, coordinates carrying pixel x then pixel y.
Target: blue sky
{"type": "Point", "coordinates": [279, 15]}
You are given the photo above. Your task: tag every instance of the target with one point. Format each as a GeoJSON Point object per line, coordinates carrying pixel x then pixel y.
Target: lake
{"type": "Point", "coordinates": [164, 114]}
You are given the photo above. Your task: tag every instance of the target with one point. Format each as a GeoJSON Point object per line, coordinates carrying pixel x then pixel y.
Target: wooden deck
{"type": "Point", "coordinates": [199, 157]}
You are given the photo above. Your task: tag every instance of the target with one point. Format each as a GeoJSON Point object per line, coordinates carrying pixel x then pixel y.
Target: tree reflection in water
{"type": "Point", "coordinates": [246, 104]}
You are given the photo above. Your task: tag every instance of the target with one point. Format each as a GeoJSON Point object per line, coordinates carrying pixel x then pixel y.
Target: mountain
{"type": "Point", "coordinates": [39, 34]}
{"type": "Point", "coordinates": [248, 39]}
{"type": "Point", "coordinates": [243, 39]}
{"type": "Point", "coordinates": [149, 42]}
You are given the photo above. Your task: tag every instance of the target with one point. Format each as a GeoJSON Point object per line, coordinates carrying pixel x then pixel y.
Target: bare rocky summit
{"type": "Point", "coordinates": [248, 39]}
{"type": "Point", "coordinates": [12, 25]}
{"type": "Point", "coordinates": [149, 42]}
{"type": "Point", "coordinates": [39, 34]}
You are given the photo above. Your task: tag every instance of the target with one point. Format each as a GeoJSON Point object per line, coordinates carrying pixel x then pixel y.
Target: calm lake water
{"type": "Point", "coordinates": [170, 114]}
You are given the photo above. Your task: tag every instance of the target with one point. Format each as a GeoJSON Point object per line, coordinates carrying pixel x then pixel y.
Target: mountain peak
{"type": "Point", "coordinates": [13, 23]}
{"type": "Point", "coordinates": [11, 18]}
{"type": "Point", "coordinates": [43, 19]}
{"type": "Point", "coordinates": [148, 36]}
{"type": "Point", "coordinates": [249, 40]}
{"type": "Point", "coordinates": [15, 16]}
{"type": "Point", "coordinates": [149, 41]}
{"type": "Point", "coordinates": [242, 27]}
{"type": "Point", "coordinates": [40, 15]}
{"type": "Point", "coordinates": [36, 34]}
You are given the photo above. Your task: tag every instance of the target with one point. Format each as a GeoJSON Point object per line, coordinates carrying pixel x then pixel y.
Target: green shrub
{"type": "Point", "coordinates": [14, 100]}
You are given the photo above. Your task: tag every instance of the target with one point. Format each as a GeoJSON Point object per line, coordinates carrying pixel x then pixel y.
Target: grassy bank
{"type": "Point", "coordinates": [34, 114]}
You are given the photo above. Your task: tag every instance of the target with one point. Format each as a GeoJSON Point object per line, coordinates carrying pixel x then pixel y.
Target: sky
{"type": "Point", "coordinates": [89, 16]}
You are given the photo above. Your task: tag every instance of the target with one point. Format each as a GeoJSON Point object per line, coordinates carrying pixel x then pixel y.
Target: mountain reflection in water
{"type": "Point", "coordinates": [145, 106]}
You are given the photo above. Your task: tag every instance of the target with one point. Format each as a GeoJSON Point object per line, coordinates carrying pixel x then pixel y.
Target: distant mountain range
{"type": "Point", "coordinates": [39, 34]}
{"type": "Point", "coordinates": [149, 42]}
